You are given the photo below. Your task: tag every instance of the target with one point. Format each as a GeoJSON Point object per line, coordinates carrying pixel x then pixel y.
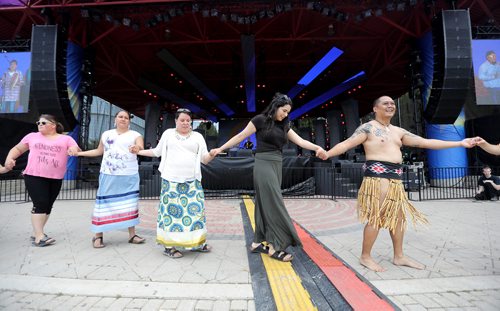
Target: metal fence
{"type": "Point", "coordinates": [446, 183]}
{"type": "Point", "coordinates": [327, 182]}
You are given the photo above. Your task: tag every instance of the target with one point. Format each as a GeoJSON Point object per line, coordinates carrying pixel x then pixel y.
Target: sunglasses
{"type": "Point", "coordinates": [43, 122]}
{"type": "Point", "coordinates": [184, 110]}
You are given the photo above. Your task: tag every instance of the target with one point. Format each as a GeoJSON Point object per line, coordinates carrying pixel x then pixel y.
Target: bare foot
{"type": "Point", "coordinates": [371, 264]}
{"type": "Point", "coordinates": [405, 261]}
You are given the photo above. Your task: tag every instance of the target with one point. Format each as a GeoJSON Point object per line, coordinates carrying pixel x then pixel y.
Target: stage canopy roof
{"type": "Point", "coordinates": [229, 57]}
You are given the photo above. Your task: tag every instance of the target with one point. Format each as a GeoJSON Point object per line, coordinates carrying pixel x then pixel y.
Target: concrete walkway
{"type": "Point", "coordinates": [460, 248]}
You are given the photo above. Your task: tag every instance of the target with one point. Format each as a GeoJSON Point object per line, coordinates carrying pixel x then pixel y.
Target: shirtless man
{"type": "Point", "coordinates": [382, 201]}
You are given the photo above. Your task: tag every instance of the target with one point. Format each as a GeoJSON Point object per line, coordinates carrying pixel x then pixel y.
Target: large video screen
{"type": "Point", "coordinates": [486, 71]}
{"type": "Point", "coordinates": [14, 81]}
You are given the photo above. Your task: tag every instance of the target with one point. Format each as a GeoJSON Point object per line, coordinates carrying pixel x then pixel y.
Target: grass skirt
{"type": "Point", "coordinates": [395, 205]}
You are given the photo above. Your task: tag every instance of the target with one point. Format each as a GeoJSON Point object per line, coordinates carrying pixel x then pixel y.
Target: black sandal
{"type": "Point", "coordinates": [264, 249]}
{"type": "Point", "coordinates": [32, 238]}
{"type": "Point", "coordinates": [281, 256]}
{"type": "Point", "coordinates": [204, 249]}
{"type": "Point", "coordinates": [101, 242]}
{"type": "Point", "coordinates": [46, 241]}
{"type": "Point", "coordinates": [172, 253]}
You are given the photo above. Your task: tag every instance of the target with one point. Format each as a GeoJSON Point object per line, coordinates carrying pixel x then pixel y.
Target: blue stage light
{"type": "Point", "coordinates": [323, 63]}
{"type": "Point", "coordinates": [347, 84]}
{"type": "Point", "coordinates": [315, 71]}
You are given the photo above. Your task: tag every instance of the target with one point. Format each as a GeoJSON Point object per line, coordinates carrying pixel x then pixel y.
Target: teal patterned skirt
{"type": "Point", "coordinates": [181, 219]}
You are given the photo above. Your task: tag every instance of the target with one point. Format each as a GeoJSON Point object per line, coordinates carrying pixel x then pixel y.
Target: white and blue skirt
{"type": "Point", "coordinates": [116, 204]}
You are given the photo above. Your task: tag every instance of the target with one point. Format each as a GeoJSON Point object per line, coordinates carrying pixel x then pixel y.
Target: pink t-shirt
{"type": "Point", "coordinates": [47, 157]}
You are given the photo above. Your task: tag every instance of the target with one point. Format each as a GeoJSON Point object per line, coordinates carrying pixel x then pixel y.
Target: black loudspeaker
{"type": "Point", "coordinates": [452, 80]}
{"type": "Point", "coordinates": [49, 90]}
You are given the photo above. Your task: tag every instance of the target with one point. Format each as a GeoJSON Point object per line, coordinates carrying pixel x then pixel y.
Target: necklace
{"type": "Point", "coordinates": [181, 137]}
{"type": "Point", "coordinates": [384, 125]}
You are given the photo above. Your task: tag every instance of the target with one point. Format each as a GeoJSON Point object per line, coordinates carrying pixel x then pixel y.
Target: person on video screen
{"type": "Point", "coordinates": [489, 73]}
{"type": "Point", "coordinates": [11, 83]}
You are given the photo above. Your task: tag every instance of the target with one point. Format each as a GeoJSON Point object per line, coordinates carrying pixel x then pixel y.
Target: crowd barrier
{"type": "Point", "coordinates": [319, 181]}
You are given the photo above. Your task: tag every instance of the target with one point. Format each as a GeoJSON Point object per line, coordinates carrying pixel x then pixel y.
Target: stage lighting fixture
{"type": "Point", "coordinates": [253, 19]}
{"type": "Point", "coordinates": [326, 11]}
{"type": "Point", "coordinates": [168, 34]}
{"type": "Point", "coordinates": [367, 13]}
{"type": "Point", "coordinates": [84, 13]}
{"type": "Point", "coordinates": [241, 20]}
{"type": "Point", "coordinates": [401, 6]}
{"type": "Point", "coordinates": [195, 7]}
{"type": "Point", "coordinates": [279, 8]}
{"type": "Point", "coordinates": [378, 12]}
{"type": "Point", "coordinates": [126, 21]}
{"type": "Point", "coordinates": [331, 30]}
{"type": "Point", "coordinates": [214, 13]}
{"type": "Point", "coordinates": [270, 13]}
{"type": "Point", "coordinates": [390, 6]}
{"type": "Point", "coordinates": [320, 66]}
{"type": "Point", "coordinates": [159, 17]}
{"type": "Point", "coordinates": [288, 7]}
{"type": "Point", "coordinates": [108, 18]}
{"type": "Point", "coordinates": [96, 17]}
{"type": "Point", "coordinates": [205, 13]}
{"type": "Point", "coordinates": [310, 5]}
{"type": "Point", "coordinates": [223, 17]}
{"type": "Point", "coordinates": [234, 18]}
{"type": "Point", "coordinates": [172, 12]}
{"type": "Point", "coordinates": [262, 14]}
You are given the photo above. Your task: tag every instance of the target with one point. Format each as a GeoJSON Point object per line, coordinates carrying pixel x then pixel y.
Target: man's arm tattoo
{"type": "Point", "coordinates": [364, 128]}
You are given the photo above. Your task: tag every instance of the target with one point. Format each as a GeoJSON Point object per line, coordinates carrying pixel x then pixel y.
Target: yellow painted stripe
{"type": "Point", "coordinates": [288, 292]}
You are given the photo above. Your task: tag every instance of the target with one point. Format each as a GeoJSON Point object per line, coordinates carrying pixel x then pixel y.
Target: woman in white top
{"type": "Point", "coordinates": [117, 198]}
{"type": "Point", "coordinates": [181, 215]}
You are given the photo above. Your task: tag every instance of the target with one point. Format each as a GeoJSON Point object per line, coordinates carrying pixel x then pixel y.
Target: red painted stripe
{"type": "Point", "coordinates": [98, 223]}
{"type": "Point", "coordinates": [113, 216]}
{"type": "Point", "coordinates": [357, 293]}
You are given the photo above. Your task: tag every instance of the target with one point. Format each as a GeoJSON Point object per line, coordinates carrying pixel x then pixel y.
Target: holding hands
{"type": "Point", "coordinates": [321, 153]}
{"type": "Point", "coordinates": [9, 164]}
{"type": "Point", "coordinates": [214, 152]}
{"type": "Point", "coordinates": [468, 142]}
{"type": "Point", "coordinates": [73, 151]}
{"type": "Point", "coordinates": [134, 149]}
{"type": "Point", "coordinates": [483, 144]}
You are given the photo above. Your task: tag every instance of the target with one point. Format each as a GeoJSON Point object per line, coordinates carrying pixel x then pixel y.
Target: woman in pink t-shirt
{"type": "Point", "coordinates": [45, 170]}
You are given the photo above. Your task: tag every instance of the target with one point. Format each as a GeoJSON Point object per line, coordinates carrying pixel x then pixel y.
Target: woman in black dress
{"type": "Point", "coordinates": [272, 222]}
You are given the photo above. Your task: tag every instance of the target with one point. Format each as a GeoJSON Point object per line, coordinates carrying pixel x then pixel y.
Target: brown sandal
{"type": "Point", "coordinates": [101, 242]}
{"type": "Point", "coordinates": [139, 240]}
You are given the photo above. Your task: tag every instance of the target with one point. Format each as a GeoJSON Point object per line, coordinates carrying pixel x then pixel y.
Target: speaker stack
{"type": "Point", "coordinates": [452, 80]}
{"type": "Point", "coordinates": [49, 90]}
